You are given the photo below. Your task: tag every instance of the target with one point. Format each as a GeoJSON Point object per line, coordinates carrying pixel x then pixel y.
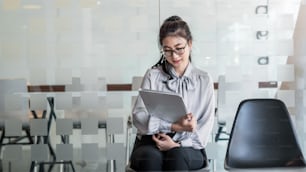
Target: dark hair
{"type": "Point", "coordinates": [172, 26]}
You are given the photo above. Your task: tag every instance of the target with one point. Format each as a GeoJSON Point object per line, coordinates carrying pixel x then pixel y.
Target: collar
{"type": "Point", "coordinates": [185, 82]}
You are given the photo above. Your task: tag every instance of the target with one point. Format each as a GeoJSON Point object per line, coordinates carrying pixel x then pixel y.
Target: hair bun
{"type": "Point", "coordinates": [173, 19]}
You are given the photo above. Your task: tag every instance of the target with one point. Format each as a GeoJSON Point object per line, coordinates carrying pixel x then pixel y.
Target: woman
{"type": "Point", "coordinates": [165, 146]}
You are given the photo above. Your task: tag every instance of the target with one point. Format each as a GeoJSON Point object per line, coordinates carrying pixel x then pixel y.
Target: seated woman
{"type": "Point", "coordinates": [169, 146]}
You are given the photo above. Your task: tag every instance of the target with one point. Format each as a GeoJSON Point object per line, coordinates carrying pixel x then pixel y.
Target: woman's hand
{"type": "Point", "coordinates": [186, 123]}
{"type": "Point", "coordinates": [164, 142]}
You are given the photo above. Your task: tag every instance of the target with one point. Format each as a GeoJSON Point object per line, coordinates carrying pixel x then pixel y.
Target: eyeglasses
{"type": "Point", "coordinates": [179, 51]}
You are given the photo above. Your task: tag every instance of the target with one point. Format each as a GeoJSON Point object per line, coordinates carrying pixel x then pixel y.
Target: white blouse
{"type": "Point", "coordinates": [196, 88]}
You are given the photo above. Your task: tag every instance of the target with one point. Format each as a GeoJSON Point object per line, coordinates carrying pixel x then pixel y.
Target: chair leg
{"type": "Point", "coordinates": [218, 133]}
{"type": "Point", "coordinates": [32, 166]}
{"type": "Point", "coordinates": [1, 168]}
{"type": "Point", "coordinates": [72, 166]}
{"type": "Point", "coordinates": [31, 141]}
{"type": "Point", "coordinates": [1, 140]}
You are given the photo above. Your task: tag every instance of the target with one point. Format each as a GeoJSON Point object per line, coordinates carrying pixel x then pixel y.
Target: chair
{"type": "Point", "coordinates": [262, 136]}
{"type": "Point", "coordinates": [136, 84]}
{"type": "Point", "coordinates": [221, 133]}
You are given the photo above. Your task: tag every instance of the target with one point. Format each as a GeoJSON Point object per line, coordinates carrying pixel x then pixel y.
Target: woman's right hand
{"type": "Point", "coordinates": [186, 123]}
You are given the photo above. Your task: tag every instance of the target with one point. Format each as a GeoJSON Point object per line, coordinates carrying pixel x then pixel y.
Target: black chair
{"type": "Point", "coordinates": [262, 136]}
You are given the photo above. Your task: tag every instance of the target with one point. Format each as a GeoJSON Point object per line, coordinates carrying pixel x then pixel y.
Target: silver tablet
{"type": "Point", "coordinates": [167, 106]}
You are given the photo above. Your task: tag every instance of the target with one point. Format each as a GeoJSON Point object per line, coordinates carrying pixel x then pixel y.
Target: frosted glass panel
{"type": "Point", "coordinates": [38, 76]}
{"type": "Point", "coordinates": [181, 3]}
{"type": "Point", "coordinates": [39, 152]}
{"type": "Point", "coordinates": [285, 22]}
{"type": "Point", "coordinates": [64, 152]}
{"type": "Point", "coordinates": [89, 100]}
{"type": "Point", "coordinates": [63, 76]}
{"type": "Point", "coordinates": [114, 100]}
{"type": "Point", "coordinates": [11, 50]}
{"type": "Point", "coordinates": [281, 48]}
{"type": "Point", "coordinates": [212, 150]}
{"type": "Point", "coordinates": [115, 151]}
{"type": "Point", "coordinates": [300, 43]}
{"type": "Point", "coordinates": [233, 74]}
{"type": "Point", "coordinates": [37, 25]}
{"type": "Point", "coordinates": [64, 126]}
{"type": "Point", "coordinates": [88, 76]}
{"type": "Point", "coordinates": [62, 3]}
{"type": "Point", "coordinates": [285, 73]}
{"type": "Point", "coordinates": [88, 3]}
{"type": "Point", "coordinates": [138, 3]}
{"type": "Point", "coordinates": [89, 126]}
{"type": "Point", "coordinates": [287, 96]}
{"type": "Point", "coordinates": [69, 55]}
{"type": "Point", "coordinates": [63, 24]}
{"type": "Point", "coordinates": [304, 99]}
{"type": "Point", "coordinates": [63, 101]}
{"type": "Point", "coordinates": [13, 127]}
{"type": "Point", "coordinates": [114, 125]}
{"type": "Point", "coordinates": [75, 85]}
{"type": "Point", "coordinates": [101, 84]}
{"type": "Point", "coordinates": [260, 48]}
{"type": "Point", "coordinates": [90, 152]}
{"type": "Point", "coordinates": [13, 153]}
{"type": "Point", "coordinates": [233, 98]}
{"type": "Point", "coordinates": [205, 51]}
{"type": "Point", "coordinates": [15, 102]}
{"type": "Point", "coordinates": [113, 23]}
{"type": "Point", "coordinates": [11, 4]}
{"type": "Point", "coordinates": [139, 23]}
{"type": "Point", "coordinates": [261, 73]}
{"type": "Point", "coordinates": [140, 48]}
{"type": "Point", "coordinates": [225, 48]}
{"type": "Point", "coordinates": [261, 94]}
{"type": "Point", "coordinates": [39, 127]}
{"type": "Point", "coordinates": [84, 45]}
{"type": "Point", "coordinates": [38, 102]}
{"type": "Point", "coordinates": [230, 86]}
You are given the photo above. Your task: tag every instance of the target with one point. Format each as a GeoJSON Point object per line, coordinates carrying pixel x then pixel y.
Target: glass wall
{"type": "Point", "coordinates": [75, 49]}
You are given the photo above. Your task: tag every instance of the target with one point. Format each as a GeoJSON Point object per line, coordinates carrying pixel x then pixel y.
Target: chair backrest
{"type": "Point", "coordinates": [136, 82]}
{"type": "Point", "coordinates": [262, 136]}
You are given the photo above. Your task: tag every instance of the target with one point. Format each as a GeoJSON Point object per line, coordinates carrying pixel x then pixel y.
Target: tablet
{"type": "Point", "coordinates": [167, 106]}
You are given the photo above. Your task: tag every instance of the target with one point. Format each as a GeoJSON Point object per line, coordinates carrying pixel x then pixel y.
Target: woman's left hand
{"type": "Point", "coordinates": [164, 142]}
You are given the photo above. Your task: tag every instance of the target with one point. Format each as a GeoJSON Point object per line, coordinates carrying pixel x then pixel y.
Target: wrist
{"type": "Point", "coordinates": [175, 127]}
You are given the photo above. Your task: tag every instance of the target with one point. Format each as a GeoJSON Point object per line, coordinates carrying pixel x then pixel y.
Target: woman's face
{"type": "Point", "coordinates": [176, 51]}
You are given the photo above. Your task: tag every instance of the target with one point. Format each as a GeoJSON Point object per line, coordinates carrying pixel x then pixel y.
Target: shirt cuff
{"type": "Point", "coordinates": [165, 127]}
{"type": "Point", "coordinates": [157, 125]}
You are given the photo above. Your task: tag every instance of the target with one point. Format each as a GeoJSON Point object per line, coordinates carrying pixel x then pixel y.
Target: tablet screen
{"type": "Point", "coordinates": [165, 105]}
